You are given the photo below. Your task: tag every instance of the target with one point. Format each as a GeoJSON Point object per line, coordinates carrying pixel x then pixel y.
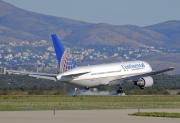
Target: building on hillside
{"type": "Point", "coordinates": [2, 70]}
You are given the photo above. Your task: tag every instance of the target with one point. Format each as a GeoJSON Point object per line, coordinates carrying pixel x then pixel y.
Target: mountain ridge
{"type": "Point", "coordinates": [40, 27]}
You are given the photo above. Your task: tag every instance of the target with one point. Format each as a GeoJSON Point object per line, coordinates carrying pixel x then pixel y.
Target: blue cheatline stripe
{"type": "Point", "coordinates": [59, 49]}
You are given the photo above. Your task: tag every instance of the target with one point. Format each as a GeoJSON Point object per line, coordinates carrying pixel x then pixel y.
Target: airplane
{"type": "Point", "coordinates": [138, 72]}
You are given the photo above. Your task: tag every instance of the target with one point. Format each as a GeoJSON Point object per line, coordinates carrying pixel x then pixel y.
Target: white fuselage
{"type": "Point", "coordinates": [105, 73]}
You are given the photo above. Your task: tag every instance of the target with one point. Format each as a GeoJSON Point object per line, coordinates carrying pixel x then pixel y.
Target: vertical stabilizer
{"type": "Point", "coordinates": [58, 47]}
{"type": "Point", "coordinates": [65, 63]}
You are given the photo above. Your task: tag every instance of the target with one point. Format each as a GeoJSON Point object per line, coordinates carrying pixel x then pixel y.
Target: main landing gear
{"type": "Point", "coordinates": [120, 90]}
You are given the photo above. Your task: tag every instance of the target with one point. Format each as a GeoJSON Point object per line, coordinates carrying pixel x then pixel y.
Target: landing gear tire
{"type": "Point", "coordinates": [120, 91]}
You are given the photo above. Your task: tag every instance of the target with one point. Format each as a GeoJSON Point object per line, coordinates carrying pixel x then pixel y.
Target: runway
{"type": "Point", "coordinates": [85, 116]}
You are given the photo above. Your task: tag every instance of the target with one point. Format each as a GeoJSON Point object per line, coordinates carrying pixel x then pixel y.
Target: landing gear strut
{"type": "Point", "coordinates": [120, 90]}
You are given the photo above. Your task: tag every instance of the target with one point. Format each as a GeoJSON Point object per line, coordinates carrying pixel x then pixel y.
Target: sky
{"type": "Point", "coordinates": [115, 12]}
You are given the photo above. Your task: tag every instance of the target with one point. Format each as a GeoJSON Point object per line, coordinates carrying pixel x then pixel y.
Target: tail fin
{"type": "Point", "coordinates": [65, 63]}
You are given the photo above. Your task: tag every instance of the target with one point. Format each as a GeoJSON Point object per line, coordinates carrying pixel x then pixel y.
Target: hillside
{"type": "Point", "coordinates": [105, 34]}
{"type": "Point", "coordinates": [37, 26]}
{"type": "Point", "coordinates": [17, 25]}
{"type": "Point", "coordinates": [171, 29]}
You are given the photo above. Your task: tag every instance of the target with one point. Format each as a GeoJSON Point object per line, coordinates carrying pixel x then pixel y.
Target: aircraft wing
{"type": "Point", "coordinates": [45, 75]}
{"type": "Point", "coordinates": [76, 75]}
{"type": "Point", "coordinates": [136, 77]}
{"type": "Point", "coordinates": [34, 74]}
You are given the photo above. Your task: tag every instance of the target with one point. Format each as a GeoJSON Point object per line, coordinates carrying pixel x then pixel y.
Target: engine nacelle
{"type": "Point", "coordinates": [144, 82]}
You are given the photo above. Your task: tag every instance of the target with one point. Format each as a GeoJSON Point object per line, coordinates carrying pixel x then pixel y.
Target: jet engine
{"type": "Point", "coordinates": [144, 82]}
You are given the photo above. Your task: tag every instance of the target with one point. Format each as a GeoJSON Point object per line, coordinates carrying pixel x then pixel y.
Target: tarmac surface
{"type": "Point", "coordinates": [85, 116]}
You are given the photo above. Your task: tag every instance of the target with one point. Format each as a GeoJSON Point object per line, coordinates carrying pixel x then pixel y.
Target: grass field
{"type": "Point", "coordinates": [50, 102]}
